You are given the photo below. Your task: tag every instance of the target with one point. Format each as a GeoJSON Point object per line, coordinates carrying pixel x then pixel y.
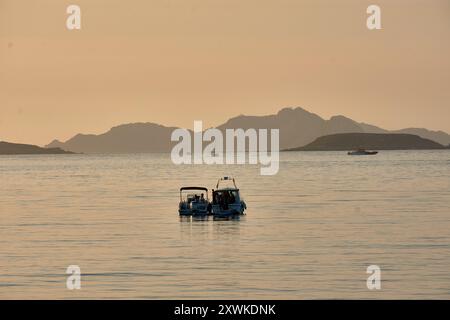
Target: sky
{"type": "Point", "coordinates": [176, 61]}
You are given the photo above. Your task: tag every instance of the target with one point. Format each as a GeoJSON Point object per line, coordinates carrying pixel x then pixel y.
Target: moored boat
{"type": "Point", "coordinates": [195, 202]}
{"type": "Point", "coordinates": [361, 152]}
{"type": "Point", "coordinates": [227, 201]}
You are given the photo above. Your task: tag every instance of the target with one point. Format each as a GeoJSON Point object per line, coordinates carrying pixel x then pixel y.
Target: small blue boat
{"type": "Point", "coordinates": [227, 201]}
{"type": "Point", "coordinates": [194, 203]}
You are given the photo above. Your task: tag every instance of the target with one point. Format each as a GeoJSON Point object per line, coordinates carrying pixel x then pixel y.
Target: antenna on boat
{"type": "Point", "coordinates": [226, 178]}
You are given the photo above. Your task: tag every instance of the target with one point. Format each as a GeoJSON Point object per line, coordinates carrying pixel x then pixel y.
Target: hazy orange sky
{"type": "Point", "coordinates": [175, 61]}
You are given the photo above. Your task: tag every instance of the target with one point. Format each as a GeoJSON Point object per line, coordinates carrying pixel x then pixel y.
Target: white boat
{"type": "Point", "coordinates": [362, 152]}
{"type": "Point", "coordinates": [227, 201]}
{"type": "Point", "coordinates": [194, 203]}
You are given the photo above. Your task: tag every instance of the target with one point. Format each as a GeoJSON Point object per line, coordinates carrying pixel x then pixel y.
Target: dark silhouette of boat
{"type": "Point", "coordinates": [362, 152]}
{"type": "Point", "coordinates": [227, 201]}
{"type": "Point", "coordinates": [194, 203]}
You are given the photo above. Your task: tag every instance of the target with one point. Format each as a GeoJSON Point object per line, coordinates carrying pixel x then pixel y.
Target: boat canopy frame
{"type": "Point", "coordinates": [226, 179]}
{"type": "Point", "coordinates": [193, 188]}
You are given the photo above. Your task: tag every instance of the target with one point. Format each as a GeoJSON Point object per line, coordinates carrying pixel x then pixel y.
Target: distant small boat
{"type": "Point", "coordinates": [362, 152]}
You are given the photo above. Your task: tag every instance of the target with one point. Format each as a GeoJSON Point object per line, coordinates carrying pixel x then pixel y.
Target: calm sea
{"type": "Point", "coordinates": [311, 230]}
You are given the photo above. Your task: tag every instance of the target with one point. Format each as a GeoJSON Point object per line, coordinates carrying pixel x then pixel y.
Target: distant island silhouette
{"type": "Point", "coordinates": [372, 141]}
{"type": "Point", "coordinates": [7, 148]}
{"type": "Point", "coordinates": [298, 127]}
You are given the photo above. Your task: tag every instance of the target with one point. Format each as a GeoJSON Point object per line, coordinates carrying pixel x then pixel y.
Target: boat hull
{"type": "Point", "coordinates": [194, 209]}
{"type": "Point", "coordinates": [366, 153]}
{"type": "Point", "coordinates": [231, 210]}
{"type": "Point", "coordinates": [185, 212]}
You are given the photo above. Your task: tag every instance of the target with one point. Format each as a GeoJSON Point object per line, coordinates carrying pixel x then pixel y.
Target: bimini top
{"type": "Point", "coordinates": [194, 188]}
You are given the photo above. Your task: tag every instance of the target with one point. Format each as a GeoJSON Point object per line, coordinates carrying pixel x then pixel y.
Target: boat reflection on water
{"type": "Point", "coordinates": [198, 218]}
{"type": "Point", "coordinates": [210, 229]}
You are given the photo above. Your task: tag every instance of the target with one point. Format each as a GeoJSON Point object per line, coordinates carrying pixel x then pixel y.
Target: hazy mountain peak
{"type": "Point", "coordinates": [290, 110]}
{"type": "Point", "coordinates": [341, 118]}
{"type": "Point", "coordinates": [341, 124]}
{"type": "Point", "coordinates": [135, 125]}
{"type": "Point", "coordinates": [55, 144]}
{"type": "Point", "coordinates": [297, 111]}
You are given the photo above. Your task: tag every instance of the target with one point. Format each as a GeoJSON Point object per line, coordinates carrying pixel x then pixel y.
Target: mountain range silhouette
{"type": "Point", "coordinates": [297, 126]}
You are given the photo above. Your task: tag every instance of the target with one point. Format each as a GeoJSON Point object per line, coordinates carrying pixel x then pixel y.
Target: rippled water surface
{"type": "Point", "coordinates": [310, 232]}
